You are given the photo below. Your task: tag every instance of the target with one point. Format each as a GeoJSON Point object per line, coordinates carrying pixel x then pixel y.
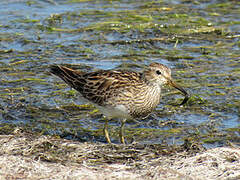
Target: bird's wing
{"type": "Point", "coordinates": [96, 86]}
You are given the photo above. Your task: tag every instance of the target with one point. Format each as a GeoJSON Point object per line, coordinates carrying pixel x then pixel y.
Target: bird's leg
{"type": "Point", "coordinates": [105, 131]}
{"type": "Point", "coordinates": [121, 132]}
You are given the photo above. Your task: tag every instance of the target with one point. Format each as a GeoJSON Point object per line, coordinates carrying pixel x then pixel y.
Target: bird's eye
{"type": "Point", "coordinates": [158, 72]}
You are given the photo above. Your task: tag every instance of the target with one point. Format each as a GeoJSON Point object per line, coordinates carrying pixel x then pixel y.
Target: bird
{"type": "Point", "coordinates": [121, 94]}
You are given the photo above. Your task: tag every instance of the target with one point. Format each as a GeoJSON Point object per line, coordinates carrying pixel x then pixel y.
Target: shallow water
{"type": "Point", "coordinates": [199, 40]}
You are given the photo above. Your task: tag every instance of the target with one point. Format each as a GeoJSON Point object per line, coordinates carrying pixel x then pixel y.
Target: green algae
{"type": "Point", "coordinates": [27, 20]}
{"type": "Point", "coordinates": [6, 128]}
{"type": "Point", "coordinates": [75, 107]}
{"type": "Point", "coordinates": [23, 80]}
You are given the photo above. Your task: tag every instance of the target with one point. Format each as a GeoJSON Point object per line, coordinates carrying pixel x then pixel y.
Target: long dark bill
{"type": "Point", "coordinates": [173, 84]}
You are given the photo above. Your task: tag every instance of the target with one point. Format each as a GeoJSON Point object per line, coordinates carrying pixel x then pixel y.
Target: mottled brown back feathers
{"type": "Point", "coordinates": [97, 86]}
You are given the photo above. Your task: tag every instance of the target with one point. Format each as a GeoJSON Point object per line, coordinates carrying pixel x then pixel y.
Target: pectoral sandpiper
{"type": "Point", "coordinates": [119, 93]}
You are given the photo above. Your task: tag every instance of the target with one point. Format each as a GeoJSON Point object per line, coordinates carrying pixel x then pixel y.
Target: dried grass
{"type": "Point", "coordinates": [28, 156]}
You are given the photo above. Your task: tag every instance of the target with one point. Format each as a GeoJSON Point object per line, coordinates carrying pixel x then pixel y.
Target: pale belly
{"type": "Point", "coordinates": [119, 111]}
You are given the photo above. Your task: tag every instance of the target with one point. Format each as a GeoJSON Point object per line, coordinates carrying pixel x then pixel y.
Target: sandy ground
{"type": "Point", "coordinates": [25, 156]}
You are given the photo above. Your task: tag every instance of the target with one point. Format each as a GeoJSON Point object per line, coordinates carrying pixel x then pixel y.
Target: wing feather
{"type": "Point", "coordinates": [97, 86]}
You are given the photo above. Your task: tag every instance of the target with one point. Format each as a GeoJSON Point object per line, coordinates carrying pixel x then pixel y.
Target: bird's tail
{"type": "Point", "coordinates": [66, 74]}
